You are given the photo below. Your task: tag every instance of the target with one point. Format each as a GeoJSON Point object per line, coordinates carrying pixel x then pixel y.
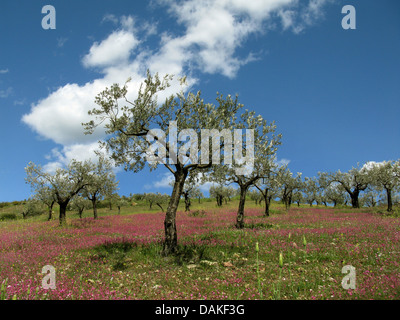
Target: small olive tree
{"type": "Point", "coordinates": [80, 203]}
{"type": "Point", "coordinates": [46, 195]}
{"type": "Point", "coordinates": [102, 184]}
{"type": "Point", "coordinates": [269, 184]}
{"type": "Point", "coordinates": [65, 182]}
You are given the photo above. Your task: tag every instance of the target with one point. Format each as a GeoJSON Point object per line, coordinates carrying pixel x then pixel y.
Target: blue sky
{"type": "Point", "coordinates": [334, 93]}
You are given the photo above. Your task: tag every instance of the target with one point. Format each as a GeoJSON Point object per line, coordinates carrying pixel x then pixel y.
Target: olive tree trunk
{"type": "Point", "coordinates": [240, 214]}
{"type": "Point", "coordinates": [171, 239]}
{"type": "Point", "coordinates": [389, 200]}
{"type": "Point", "coordinates": [63, 211]}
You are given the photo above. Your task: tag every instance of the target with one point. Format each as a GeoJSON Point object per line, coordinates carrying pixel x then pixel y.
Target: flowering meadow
{"type": "Point", "coordinates": [118, 256]}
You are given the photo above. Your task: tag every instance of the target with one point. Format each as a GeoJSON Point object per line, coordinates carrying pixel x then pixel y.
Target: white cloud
{"type": "Point", "coordinates": [298, 18]}
{"type": "Point", "coordinates": [59, 116]}
{"type": "Point", "coordinates": [165, 181]}
{"type": "Point", "coordinates": [4, 71]}
{"type": "Point", "coordinates": [116, 49]}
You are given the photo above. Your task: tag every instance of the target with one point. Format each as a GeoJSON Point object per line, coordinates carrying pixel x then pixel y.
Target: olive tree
{"type": "Point", "coordinates": [65, 182]}
{"type": "Point", "coordinates": [310, 189]}
{"type": "Point", "coordinates": [156, 198]}
{"type": "Point", "coordinates": [255, 195]}
{"type": "Point", "coordinates": [298, 197]}
{"type": "Point", "coordinates": [80, 203]}
{"type": "Point", "coordinates": [268, 185]}
{"type": "Point", "coordinates": [354, 181]}
{"type": "Point", "coordinates": [289, 184]}
{"type": "Point", "coordinates": [216, 192]}
{"type": "Point", "coordinates": [46, 195]}
{"type": "Point", "coordinates": [121, 202]}
{"type": "Point", "coordinates": [32, 207]}
{"type": "Point", "coordinates": [137, 128]}
{"type": "Point", "coordinates": [190, 191]}
{"type": "Point", "coordinates": [383, 176]}
{"type": "Point", "coordinates": [264, 143]}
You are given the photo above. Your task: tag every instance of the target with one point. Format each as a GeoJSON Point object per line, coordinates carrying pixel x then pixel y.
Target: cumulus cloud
{"type": "Point", "coordinates": [116, 49]}
{"type": "Point", "coordinates": [211, 34]}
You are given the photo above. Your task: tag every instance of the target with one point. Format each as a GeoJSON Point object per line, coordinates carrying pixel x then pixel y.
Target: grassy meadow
{"type": "Point", "coordinates": [118, 256]}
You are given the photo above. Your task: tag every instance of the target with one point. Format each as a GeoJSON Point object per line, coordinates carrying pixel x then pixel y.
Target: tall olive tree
{"type": "Point", "coordinates": [65, 182]}
{"type": "Point", "coordinates": [137, 130]}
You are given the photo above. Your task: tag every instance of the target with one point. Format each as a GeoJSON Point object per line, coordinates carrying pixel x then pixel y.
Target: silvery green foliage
{"type": "Point", "coordinates": [191, 190]}
{"type": "Point", "coordinates": [46, 195]}
{"type": "Point", "coordinates": [335, 193]}
{"type": "Point", "coordinates": [156, 198]}
{"type": "Point", "coordinates": [221, 192]}
{"type": "Point", "coordinates": [269, 184]}
{"type": "Point", "coordinates": [255, 195]}
{"type": "Point", "coordinates": [297, 197]}
{"type": "Point", "coordinates": [79, 204]}
{"type": "Point", "coordinates": [384, 177]}
{"type": "Point", "coordinates": [353, 182]}
{"type": "Point", "coordinates": [127, 123]}
{"type": "Point", "coordinates": [102, 182]}
{"type": "Point", "coordinates": [266, 143]}
{"type": "Point", "coordinates": [32, 207]}
{"type": "Point", "coordinates": [370, 198]}
{"type": "Point", "coordinates": [311, 189]}
{"type": "Point", "coordinates": [130, 126]}
{"type": "Point", "coordinates": [289, 184]}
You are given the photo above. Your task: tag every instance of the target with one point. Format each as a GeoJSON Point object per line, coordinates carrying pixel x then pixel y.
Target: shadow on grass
{"type": "Point", "coordinates": [125, 254]}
